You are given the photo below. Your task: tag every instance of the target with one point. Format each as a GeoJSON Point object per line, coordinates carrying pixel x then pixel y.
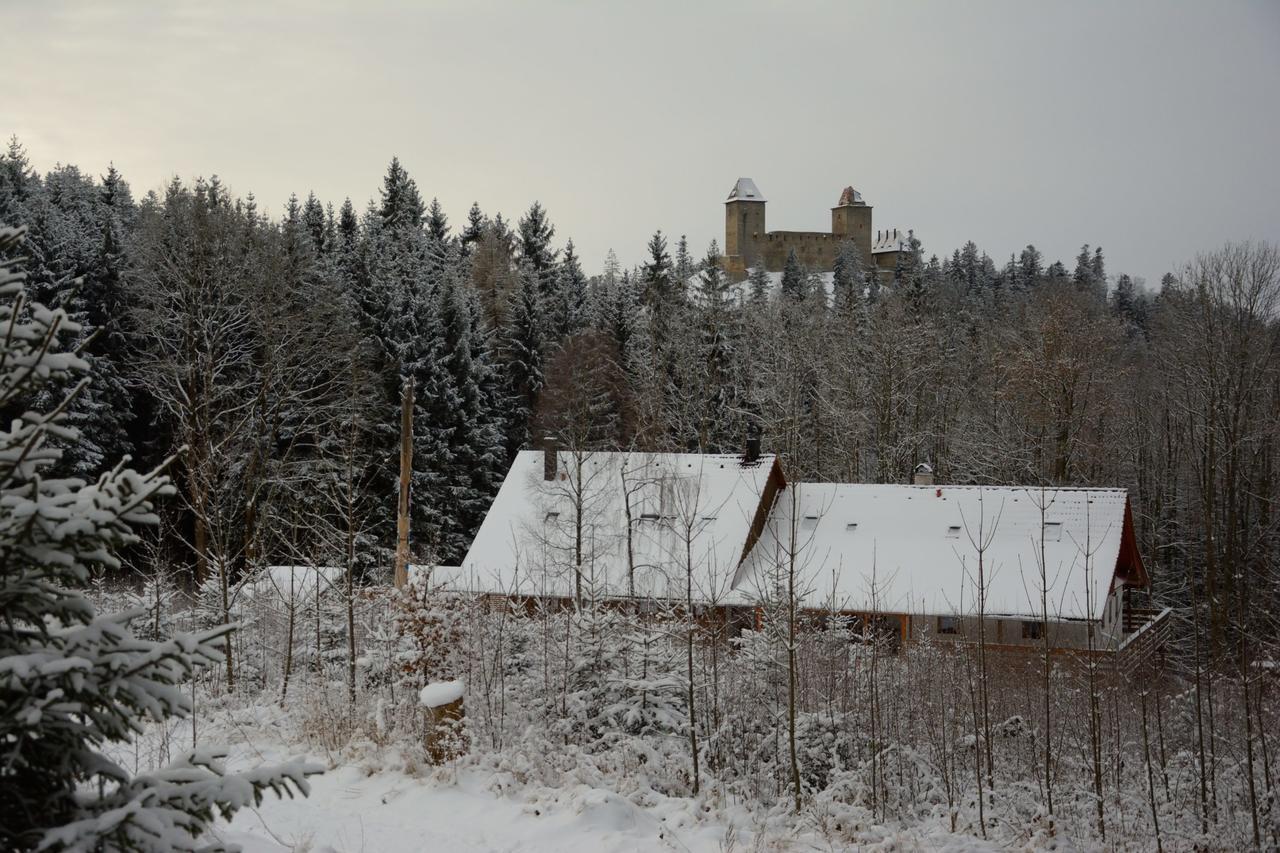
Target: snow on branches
{"type": "Point", "coordinates": [73, 681]}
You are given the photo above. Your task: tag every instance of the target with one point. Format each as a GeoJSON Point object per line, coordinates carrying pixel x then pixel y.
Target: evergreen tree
{"type": "Point", "coordinates": [1030, 268]}
{"type": "Point", "coordinates": [535, 232]}
{"type": "Point", "coordinates": [716, 430]}
{"type": "Point", "coordinates": [524, 361]}
{"type": "Point", "coordinates": [1130, 305]}
{"type": "Point", "coordinates": [468, 424]}
{"type": "Point", "coordinates": [621, 318]}
{"type": "Point", "coordinates": [848, 277]}
{"type": "Point", "coordinates": [1083, 275]}
{"type": "Point", "coordinates": [908, 273]}
{"type": "Point", "coordinates": [75, 681]}
{"type": "Point", "coordinates": [758, 286]}
{"type": "Point", "coordinates": [475, 229]}
{"type": "Point", "coordinates": [106, 307]}
{"type": "Point", "coordinates": [437, 222]}
{"type": "Point", "coordinates": [18, 182]}
{"type": "Point", "coordinates": [313, 220]}
{"type": "Point", "coordinates": [658, 289]}
{"type": "Point", "coordinates": [402, 206]}
{"type": "Point", "coordinates": [572, 308]}
{"type": "Point", "coordinates": [793, 278]}
{"type": "Point", "coordinates": [683, 266]}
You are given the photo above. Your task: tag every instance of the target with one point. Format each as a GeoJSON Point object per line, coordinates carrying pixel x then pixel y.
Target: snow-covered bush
{"type": "Point", "coordinates": [73, 680]}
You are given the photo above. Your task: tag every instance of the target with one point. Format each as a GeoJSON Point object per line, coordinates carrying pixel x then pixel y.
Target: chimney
{"type": "Point", "coordinates": [923, 475]}
{"type": "Point", "coordinates": [752, 453]}
{"type": "Point", "coordinates": [548, 459]}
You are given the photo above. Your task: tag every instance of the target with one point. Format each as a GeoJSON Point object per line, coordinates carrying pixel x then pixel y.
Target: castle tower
{"type": "Point", "coordinates": [851, 220]}
{"type": "Point", "coordinates": [743, 221]}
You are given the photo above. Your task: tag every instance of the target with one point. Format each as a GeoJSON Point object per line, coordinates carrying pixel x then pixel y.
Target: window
{"type": "Point", "coordinates": [1032, 630]}
{"type": "Point", "coordinates": [851, 527]}
{"type": "Point", "coordinates": [1052, 531]}
{"type": "Point", "coordinates": [948, 625]}
{"type": "Point", "coordinates": [649, 516]}
{"type": "Point", "coordinates": [953, 532]}
{"type": "Point", "coordinates": [810, 522]}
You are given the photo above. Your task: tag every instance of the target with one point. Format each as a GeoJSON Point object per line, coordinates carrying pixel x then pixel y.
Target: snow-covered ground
{"type": "Point", "coordinates": [370, 802]}
{"type": "Point", "coordinates": [389, 811]}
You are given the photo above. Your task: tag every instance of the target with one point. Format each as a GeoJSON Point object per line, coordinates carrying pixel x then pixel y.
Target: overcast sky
{"type": "Point", "coordinates": [1149, 128]}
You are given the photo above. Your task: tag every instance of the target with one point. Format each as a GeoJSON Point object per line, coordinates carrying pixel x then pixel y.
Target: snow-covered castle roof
{"type": "Point", "coordinates": [890, 241]}
{"type": "Point", "coordinates": [745, 190]}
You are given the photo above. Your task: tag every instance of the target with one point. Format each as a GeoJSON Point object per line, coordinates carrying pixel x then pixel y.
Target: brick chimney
{"type": "Point", "coordinates": [923, 475]}
{"type": "Point", "coordinates": [549, 453]}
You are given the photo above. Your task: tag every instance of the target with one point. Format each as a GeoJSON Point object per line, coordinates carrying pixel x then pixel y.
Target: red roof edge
{"type": "Point", "coordinates": [1129, 566]}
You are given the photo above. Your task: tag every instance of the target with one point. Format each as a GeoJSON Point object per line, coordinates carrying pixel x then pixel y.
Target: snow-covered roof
{"type": "Point", "coordinates": [890, 241]}
{"type": "Point", "coordinates": [297, 584]}
{"type": "Point", "coordinates": [745, 190]}
{"type": "Point", "coordinates": [912, 549]}
{"type": "Point", "coordinates": [528, 542]}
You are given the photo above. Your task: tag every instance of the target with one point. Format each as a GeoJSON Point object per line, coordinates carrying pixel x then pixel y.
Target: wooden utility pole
{"type": "Point", "coordinates": [406, 470]}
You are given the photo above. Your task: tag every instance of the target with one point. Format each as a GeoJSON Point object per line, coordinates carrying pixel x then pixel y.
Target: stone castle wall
{"type": "Point", "coordinates": [747, 242]}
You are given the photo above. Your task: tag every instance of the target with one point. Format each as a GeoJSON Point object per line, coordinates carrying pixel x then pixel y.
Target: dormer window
{"type": "Point", "coordinates": [1052, 531]}
{"type": "Point", "coordinates": [550, 518]}
{"type": "Point", "coordinates": [851, 527]}
{"type": "Point", "coordinates": [953, 532]}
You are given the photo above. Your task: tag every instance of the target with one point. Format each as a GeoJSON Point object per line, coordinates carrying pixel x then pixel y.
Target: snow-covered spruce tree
{"type": "Point", "coordinates": [524, 361]}
{"type": "Point", "coordinates": [794, 278]}
{"type": "Point", "coordinates": [72, 680]}
{"type": "Point", "coordinates": [848, 279]}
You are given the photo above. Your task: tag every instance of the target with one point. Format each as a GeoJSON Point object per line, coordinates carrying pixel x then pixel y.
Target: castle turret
{"type": "Point", "coordinates": [743, 224]}
{"type": "Point", "coordinates": [851, 220]}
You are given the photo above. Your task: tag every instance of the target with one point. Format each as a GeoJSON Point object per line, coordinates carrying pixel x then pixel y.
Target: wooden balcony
{"type": "Point", "coordinates": [1147, 630]}
{"type": "Point", "coordinates": [1135, 617]}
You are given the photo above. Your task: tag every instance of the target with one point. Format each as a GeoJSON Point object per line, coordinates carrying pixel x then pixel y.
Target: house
{"type": "Point", "coordinates": [1063, 560]}
{"type": "Point", "coordinates": [730, 531]}
{"type": "Point", "coordinates": [573, 525]}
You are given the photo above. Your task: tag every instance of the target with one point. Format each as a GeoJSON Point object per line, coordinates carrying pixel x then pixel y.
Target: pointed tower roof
{"type": "Point", "coordinates": [745, 190]}
{"type": "Point", "coordinates": [850, 196]}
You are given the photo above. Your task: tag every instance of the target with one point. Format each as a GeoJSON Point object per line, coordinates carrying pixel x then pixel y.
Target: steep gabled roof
{"type": "Point", "coordinates": [912, 549]}
{"type": "Point", "coordinates": [528, 542]}
{"type": "Point", "coordinates": [890, 241]}
{"type": "Point", "coordinates": [745, 190]}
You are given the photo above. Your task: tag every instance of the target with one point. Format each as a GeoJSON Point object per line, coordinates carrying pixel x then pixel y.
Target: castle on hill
{"type": "Point", "coordinates": [747, 243]}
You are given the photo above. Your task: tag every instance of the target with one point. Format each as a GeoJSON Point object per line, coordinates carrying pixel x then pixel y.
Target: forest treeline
{"type": "Point", "coordinates": [265, 358]}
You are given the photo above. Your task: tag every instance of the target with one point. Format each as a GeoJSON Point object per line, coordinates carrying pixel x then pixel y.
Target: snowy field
{"type": "Point", "coordinates": [370, 802]}
{"type": "Point", "coordinates": [388, 811]}
{"type": "Point", "coordinates": [350, 810]}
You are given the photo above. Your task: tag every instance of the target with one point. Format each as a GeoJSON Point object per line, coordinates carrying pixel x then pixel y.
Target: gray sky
{"type": "Point", "coordinates": [1149, 128]}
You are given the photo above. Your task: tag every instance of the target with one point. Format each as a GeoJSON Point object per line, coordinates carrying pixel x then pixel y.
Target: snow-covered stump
{"type": "Point", "coordinates": [445, 737]}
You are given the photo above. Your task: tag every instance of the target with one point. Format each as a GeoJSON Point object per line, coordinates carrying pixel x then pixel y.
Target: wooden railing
{"type": "Point", "coordinates": [1136, 617]}
{"type": "Point", "coordinates": [1148, 638]}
